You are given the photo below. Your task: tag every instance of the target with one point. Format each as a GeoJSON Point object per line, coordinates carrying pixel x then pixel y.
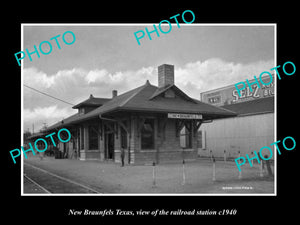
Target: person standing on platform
{"type": "Point", "coordinates": [122, 156]}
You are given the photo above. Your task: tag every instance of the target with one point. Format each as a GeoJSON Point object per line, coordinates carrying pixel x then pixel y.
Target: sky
{"type": "Point", "coordinates": [107, 57]}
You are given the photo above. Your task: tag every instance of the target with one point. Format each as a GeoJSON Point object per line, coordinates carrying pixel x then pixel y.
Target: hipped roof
{"type": "Point", "coordinates": [149, 98]}
{"type": "Point", "coordinates": [91, 101]}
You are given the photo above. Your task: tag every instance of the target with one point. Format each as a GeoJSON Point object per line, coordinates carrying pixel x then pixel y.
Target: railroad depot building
{"type": "Point", "coordinates": [252, 129]}
{"type": "Point", "coordinates": [152, 123]}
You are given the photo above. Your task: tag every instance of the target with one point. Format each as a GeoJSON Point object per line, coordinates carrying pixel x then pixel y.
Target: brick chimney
{"type": "Point", "coordinates": [165, 75]}
{"type": "Point", "coordinates": [114, 93]}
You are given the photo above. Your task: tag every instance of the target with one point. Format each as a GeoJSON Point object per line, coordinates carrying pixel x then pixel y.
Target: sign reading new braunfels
{"type": "Point", "coordinates": [185, 116]}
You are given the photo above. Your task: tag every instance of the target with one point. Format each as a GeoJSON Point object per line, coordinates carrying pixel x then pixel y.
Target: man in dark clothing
{"type": "Point", "coordinates": [122, 156]}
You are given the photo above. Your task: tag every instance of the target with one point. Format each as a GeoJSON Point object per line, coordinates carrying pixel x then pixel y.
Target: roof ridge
{"type": "Point", "coordinates": [159, 91]}
{"type": "Point", "coordinates": [139, 89]}
{"type": "Point", "coordinates": [91, 101]}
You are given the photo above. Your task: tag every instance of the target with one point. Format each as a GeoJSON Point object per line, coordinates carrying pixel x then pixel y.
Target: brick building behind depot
{"type": "Point", "coordinates": [252, 129]}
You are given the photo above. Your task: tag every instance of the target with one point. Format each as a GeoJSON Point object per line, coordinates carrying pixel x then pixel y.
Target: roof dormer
{"type": "Point", "coordinates": [90, 104]}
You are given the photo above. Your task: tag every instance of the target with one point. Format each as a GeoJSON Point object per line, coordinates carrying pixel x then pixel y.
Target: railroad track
{"type": "Point", "coordinates": [37, 180]}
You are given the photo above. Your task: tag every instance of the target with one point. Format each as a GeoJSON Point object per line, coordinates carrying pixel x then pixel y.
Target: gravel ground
{"type": "Point", "coordinates": [109, 177]}
{"type": "Point", "coordinates": [30, 187]}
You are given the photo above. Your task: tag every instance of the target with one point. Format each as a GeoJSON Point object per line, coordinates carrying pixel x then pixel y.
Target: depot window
{"type": "Point", "coordinates": [186, 136]}
{"type": "Point", "coordinates": [147, 134]}
{"type": "Point", "coordinates": [93, 137]}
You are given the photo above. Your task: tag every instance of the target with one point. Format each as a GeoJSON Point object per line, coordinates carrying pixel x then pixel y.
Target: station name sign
{"type": "Point", "coordinates": [185, 116]}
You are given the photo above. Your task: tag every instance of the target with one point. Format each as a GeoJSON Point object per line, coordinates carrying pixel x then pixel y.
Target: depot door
{"type": "Point", "coordinates": [109, 145]}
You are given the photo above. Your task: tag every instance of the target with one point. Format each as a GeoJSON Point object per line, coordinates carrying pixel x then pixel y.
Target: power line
{"type": "Point", "coordinates": [47, 94]}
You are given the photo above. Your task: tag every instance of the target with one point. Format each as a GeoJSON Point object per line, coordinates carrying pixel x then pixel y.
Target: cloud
{"type": "Point", "coordinates": [73, 86]}
{"type": "Point", "coordinates": [199, 76]}
{"type": "Point", "coordinates": [35, 77]}
{"type": "Point", "coordinates": [96, 75]}
{"type": "Point", "coordinates": [77, 84]}
{"type": "Point", "coordinates": [47, 112]}
{"type": "Point", "coordinates": [48, 115]}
